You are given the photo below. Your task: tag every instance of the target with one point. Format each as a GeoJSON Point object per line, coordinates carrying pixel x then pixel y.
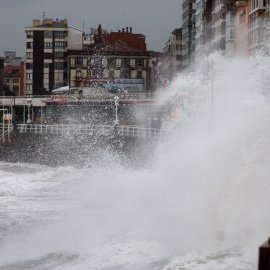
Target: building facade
{"type": "Point", "coordinates": [172, 55]}
{"type": "Point", "coordinates": [241, 26]}
{"type": "Point", "coordinates": [118, 60]}
{"type": "Point", "coordinates": [1, 74]}
{"type": "Point", "coordinates": [258, 24]}
{"type": "Point", "coordinates": [46, 53]}
{"type": "Point", "coordinates": [188, 33]}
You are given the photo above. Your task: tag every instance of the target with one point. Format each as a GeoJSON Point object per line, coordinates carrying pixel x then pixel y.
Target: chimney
{"type": "Point", "coordinates": [99, 30]}
{"type": "Point", "coordinates": [130, 30]}
{"type": "Point", "coordinates": [123, 30]}
{"type": "Point", "coordinates": [126, 29]}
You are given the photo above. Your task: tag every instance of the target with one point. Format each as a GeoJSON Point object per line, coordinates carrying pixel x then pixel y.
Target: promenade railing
{"type": "Point", "coordinates": [98, 130]}
{"type": "Point", "coordinates": [8, 128]}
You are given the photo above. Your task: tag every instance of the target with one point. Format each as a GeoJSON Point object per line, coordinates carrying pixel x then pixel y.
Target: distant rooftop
{"type": "Point", "coordinates": [50, 23]}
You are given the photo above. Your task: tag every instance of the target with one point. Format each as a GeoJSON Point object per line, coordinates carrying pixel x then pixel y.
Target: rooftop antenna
{"type": "Point", "coordinates": [83, 24]}
{"type": "Point", "coordinates": [44, 14]}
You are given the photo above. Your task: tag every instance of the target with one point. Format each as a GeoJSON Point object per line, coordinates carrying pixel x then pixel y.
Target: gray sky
{"type": "Point", "coordinates": [153, 18]}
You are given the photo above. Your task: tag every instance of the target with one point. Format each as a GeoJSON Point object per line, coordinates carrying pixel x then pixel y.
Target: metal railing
{"type": "Point", "coordinates": [8, 128]}
{"type": "Point", "coordinates": [98, 130]}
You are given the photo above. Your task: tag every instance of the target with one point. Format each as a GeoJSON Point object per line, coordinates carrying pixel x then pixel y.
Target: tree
{"type": "Point", "coordinates": [7, 91]}
{"type": "Point", "coordinates": [42, 92]}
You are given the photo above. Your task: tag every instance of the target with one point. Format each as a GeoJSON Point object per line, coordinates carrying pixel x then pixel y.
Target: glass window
{"type": "Point", "coordinates": [58, 65]}
{"type": "Point", "coordinates": [84, 62]}
{"type": "Point", "coordinates": [132, 62]}
{"type": "Point", "coordinates": [104, 62]}
{"type": "Point", "coordinates": [29, 65]}
{"type": "Point", "coordinates": [29, 45]}
{"type": "Point", "coordinates": [29, 76]}
{"type": "Point", "coordinates": [118, 62]}
{"type": "Point", "coordinates": [48, 34]}
{"type": "Point", "coordinates": [48, 45]}
{"type": "Point", "coordinates": [79, 61]}
{"type": "Point", "coordinates": [59, 55]}
{"type": "Point", "coordinates": [60, 44]}
{"type": "Point", "coordinates": [72, 61]}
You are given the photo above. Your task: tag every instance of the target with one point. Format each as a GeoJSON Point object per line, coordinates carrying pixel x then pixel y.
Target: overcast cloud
{"type": "Point", "coordinates": [153, 18]}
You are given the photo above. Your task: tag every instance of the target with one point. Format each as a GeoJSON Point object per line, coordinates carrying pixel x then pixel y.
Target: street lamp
{"type": "Point", "coordinates": [116, 102]}
{"type": "Point", "coordinates": [29, 101]}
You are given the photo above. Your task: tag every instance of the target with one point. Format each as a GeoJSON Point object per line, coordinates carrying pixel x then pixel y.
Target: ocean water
{"type": "Point", "coordinates": [203, 203]}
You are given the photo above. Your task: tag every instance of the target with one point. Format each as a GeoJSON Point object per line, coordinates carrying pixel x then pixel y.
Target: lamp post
{"type": "Point", "coordinates": [116, 102]}
{"type": "Point", "coordinates": [3, 131]}
{"type": "Point", "coordinates": [29, 101]}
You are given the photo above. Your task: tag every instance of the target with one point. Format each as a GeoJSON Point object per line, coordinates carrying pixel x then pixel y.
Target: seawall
{"type": "Point", "coordinates": [77, 150]}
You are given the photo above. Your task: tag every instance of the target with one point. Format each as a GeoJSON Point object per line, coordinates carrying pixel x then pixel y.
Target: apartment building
{"type": "Point", "coordinates": [11, 59]}
{"type": "Point", "coordinates": [188, 33]}
{"type": "Point", "coordinates": [12, 78]}
{"type": "Point", "coordinates": [47, 43]}
{"type": "Point", "coordinates": [1, 74]}
{"type": "Point", "coordinates": [241, 28]}
{"type": "Point", "coordinates": [172, 55]}
{"type": "Point", "coordinates": [199, 36]}
{"type": "Point", "coordinates": [118, 60]}
{"type": "Point", "coordinates": [258, 29]}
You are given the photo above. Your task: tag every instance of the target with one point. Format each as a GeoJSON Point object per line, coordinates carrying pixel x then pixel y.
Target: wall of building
{"type": "Point", "coordinates": [75, 39]}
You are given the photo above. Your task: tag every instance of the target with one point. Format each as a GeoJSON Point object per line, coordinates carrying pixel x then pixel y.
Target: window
{"type": "Point", "coordinates": [48, 55]}
{"type": "Point", "coordinates": [7, 80]}
{"type": "Point", "coordinates": [72, 61]}
{"type": "Point", "coordinates": [58, 65]}
{"type": "Point", "coordinates": [132, 62]}
{"type": "Point", "coordinates": [112, 61]}
{"type": "Point", "coordinates": [29, 55]}
{"type": "Point", "coordinates": [118, 62]}
{"type": "Point", "coordinates": [139, 62]}
{"type": "Point", "coordinates": [145, 63]}
{"type": "Point", "coordinates": [46, 75]}
{"type": "Point", "coordinates": [178, 47]}
{"type": "Point", "coordinates": [29, 65]}
{"type": "Point", "coordinates": [84, 62]}
{"type": "Point", "coordinates": [104, 62]}
{"type": "Point", "coordinates": [29, 87]}
{"type": "Point", "coordinates": [178, 57]}
{"type": "Point", "coordinates": [79, 61]}
{"type": "Point", "coordinates": [60, 44]}
{"type": "Point", "coordinates": [29, 45]}
{"type": "Point", "coordinates": [59, 55]}
{"type": "Point", "coordinates": [47, 45]}
{"type": "Point", "coordinates": [60, 34]}
{"type": "Point", "coordinates": [125, 62]}
{"type": "Point", "coordinates": [29, 76]}
{"type": "Point", "coordinates": [48, 34]}
{"type": "Point", "coordinates": [15, 80]}
{"type": "Point", "coordinates": [139, 74]}
{"type": "Point", "coordinates": [58, 76]}
{"type": "Point", "coordinates": [29, 34]}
